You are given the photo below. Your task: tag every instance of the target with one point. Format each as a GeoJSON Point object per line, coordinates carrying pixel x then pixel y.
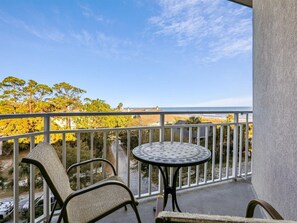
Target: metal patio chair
{"type": "Point", "coordinates": [85, 205]}
{"type": "Point", "coordinates": [177, 217]}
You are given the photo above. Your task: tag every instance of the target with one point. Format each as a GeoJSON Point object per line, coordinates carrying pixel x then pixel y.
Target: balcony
{"type": "Point", "coordinates": [229, 141]}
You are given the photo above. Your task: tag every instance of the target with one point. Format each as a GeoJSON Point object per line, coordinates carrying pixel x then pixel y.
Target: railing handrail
{"type": "Point", "coordinates": [201, 110]}
{"type": "Point", "coordinates": [88, 130]}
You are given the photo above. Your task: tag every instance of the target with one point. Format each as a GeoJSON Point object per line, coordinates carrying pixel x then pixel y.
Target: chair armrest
{"type": "Point", "coordinates": [270, 210]}
{"type": "Point", "coordinates": [90, 188]}
{"type": "Point", "coordinates": [90, 161]}
{"type": "Point", "coordinates": [183, 217]}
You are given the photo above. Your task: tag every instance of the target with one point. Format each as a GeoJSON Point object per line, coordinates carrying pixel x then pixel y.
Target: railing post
{"type": "Point", "coordinates": [235, 146]}
{"type": "Point", "coordinates": [46, 193]}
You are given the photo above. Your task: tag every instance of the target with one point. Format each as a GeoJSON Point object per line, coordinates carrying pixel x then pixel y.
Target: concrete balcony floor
{"type": "Point", "coordinates": [227, 198]}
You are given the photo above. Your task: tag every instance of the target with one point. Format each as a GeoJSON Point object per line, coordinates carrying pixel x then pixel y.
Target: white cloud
{"type": "Point", "coordinates": [88, 13]}
{"type": "Point", "coordinates": [44, 33]}
{"type": "Point", "coordinates": [226, 29]}
{"type": "Point", "coordinates": [104, 45]}
{"type": "Point", "coordinates": [92, 40]}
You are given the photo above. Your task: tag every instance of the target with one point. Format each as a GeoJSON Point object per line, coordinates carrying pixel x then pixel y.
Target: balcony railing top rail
{"type": "Point", "coordinates": [181, 110]}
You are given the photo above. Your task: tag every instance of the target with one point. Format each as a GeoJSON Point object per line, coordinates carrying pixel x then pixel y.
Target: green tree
{"type": "Point", "coordinates": [95, 121]}
{"type": "Point", "coordinates": [120, 106]}
{"type": "Point", "coordinates": [194, 120]}
{"type": "Point", "coordinates": [35, 96]}
{"type": "Point", "coordinates": [11, 95]}
{"type": "Point", "coordinates": [67, 98]}
{"type": "Point", "coordinates": [230, 118]}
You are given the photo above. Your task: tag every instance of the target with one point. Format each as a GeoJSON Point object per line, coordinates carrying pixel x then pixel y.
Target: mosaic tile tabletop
{"type": "Point", "coordinates": [171, 153]}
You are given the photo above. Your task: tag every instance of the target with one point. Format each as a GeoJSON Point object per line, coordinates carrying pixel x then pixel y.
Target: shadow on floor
{"type": "Point", "coordinates": [228, 198]}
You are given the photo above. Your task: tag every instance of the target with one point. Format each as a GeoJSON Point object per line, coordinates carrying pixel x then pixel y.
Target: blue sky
{"type": "Point", "coordinates": [142, 53]}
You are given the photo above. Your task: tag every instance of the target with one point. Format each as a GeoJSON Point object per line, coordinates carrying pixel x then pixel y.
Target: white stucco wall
{"type": "Point", "coordinates": [275, 104]}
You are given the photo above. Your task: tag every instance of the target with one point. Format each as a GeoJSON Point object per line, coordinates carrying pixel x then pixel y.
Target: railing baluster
{"type": "Point", "coordinates": [64, 155]}
{"type": "Point", "coordinates": [171, 140]}
{"type": "Point", "coordinates": [228, 151]}
{"type": "Point", "coordinates": [197, 167]}
{"type": "Point", "coordinates": [235, 146]}
{"type": "Point", "coordinates": [128, 155]}
{"type": "Point", "coordinates": [46, 191]}
{"type": "Point", "coordinates": [150, 136]}
{"type": "Point", "coordinates": [189, 168]}
{"type": "Point", "coordinates": [221, 152]}
{"type": "Point", "coordinates": [206, 146]}
{"type": "Point", "coordinates": [78, 160]}
{"type": "Point", "coordinates": [104, 153]}
{"type": "Point", "coordinates": [32, 186]}
{"type": "Point", "coordinates": [16, 180]}
{"type": "Point", "coordinates": [150, 166]}
{"type": "Point", "coordinates": [117, 152]}
{"type": "Point", "coordinates": [181, 134]}
{"type": "Point", "coordinates": [139, 165]}
{"type": "Point", "coordinates": [214, 136]}
{"type": "Point", "coordinates": [246, 145]}
{"type": "Point", "coordinates": [92, 157]}
{"type": "Point", "coordinates": [180, 175]}
{"type": "Point", "coordinates": [162, 124]}
{"type": "Point", "coordinates": [240, 150]}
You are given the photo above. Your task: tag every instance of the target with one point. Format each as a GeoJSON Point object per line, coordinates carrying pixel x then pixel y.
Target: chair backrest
{"type": "Point", "coordinates": [46, 159]}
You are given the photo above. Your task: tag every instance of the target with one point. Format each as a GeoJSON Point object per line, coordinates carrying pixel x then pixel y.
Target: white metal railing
{"type": "Point", "coordinates": [217, 137]}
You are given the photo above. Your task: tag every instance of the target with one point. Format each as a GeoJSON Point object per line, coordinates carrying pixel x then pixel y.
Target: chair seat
{"type": "Point", "coordinates": [94, 205]}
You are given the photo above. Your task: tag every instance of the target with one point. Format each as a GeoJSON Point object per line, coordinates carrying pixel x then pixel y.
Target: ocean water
{"type": "Point", "coordinates": [213, 112]}
{"type": "Point", "coordinates": [208, 109]}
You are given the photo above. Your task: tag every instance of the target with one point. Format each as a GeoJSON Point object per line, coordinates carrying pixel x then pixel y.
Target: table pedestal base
{"type": "Point", "coordinates": [169, 189]}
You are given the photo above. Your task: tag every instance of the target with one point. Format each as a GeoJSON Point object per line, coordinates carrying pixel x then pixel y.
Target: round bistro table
{"type": "Point", "coordinates": [171, 154]}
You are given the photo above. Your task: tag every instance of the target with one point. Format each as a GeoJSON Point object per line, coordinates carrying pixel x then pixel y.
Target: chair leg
{"type": "Point", "coordinates": [53, 211]}
{"type": "Point", "coordinates": [136, 212]}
